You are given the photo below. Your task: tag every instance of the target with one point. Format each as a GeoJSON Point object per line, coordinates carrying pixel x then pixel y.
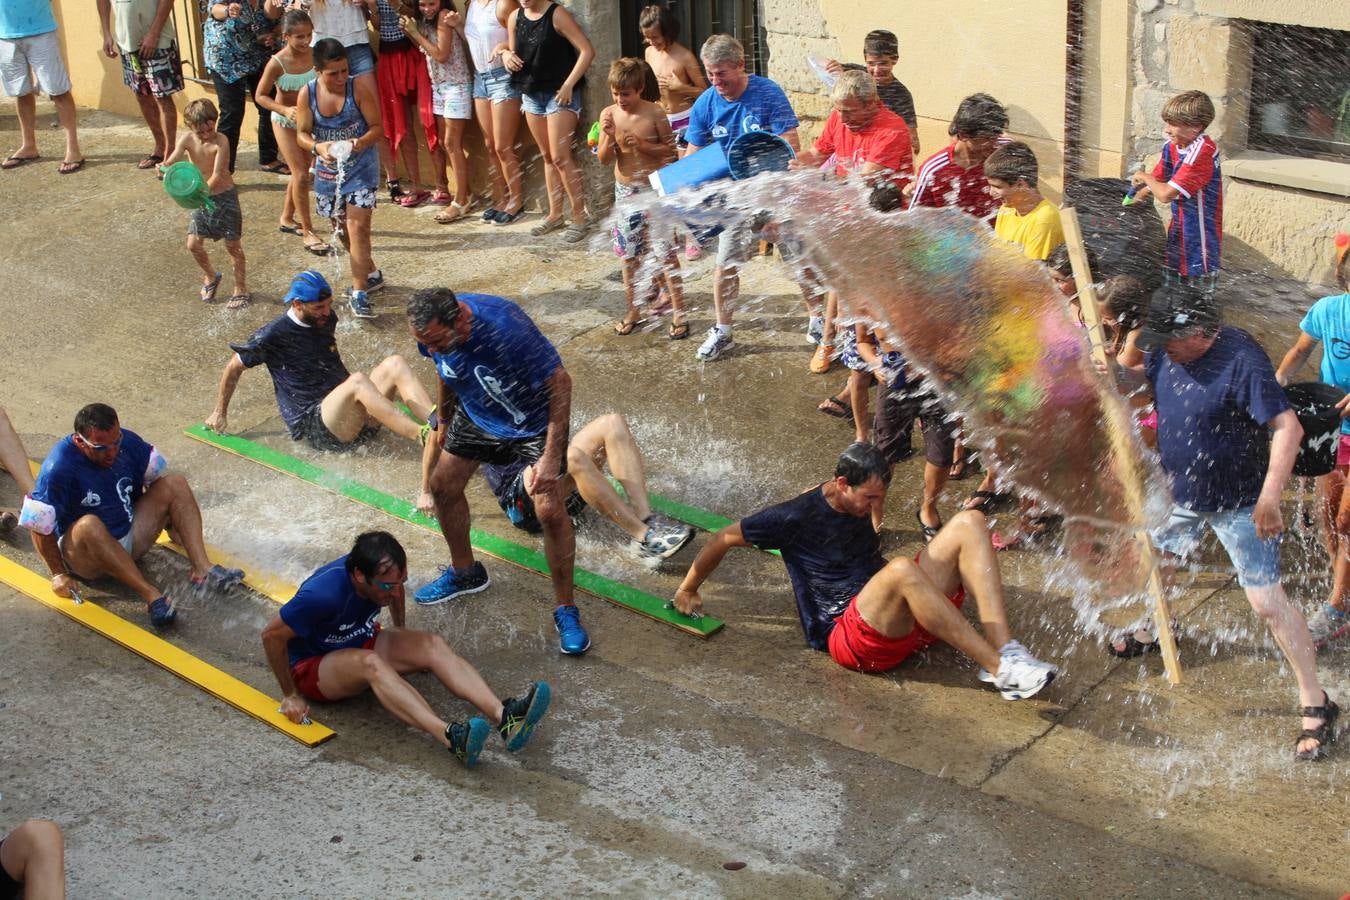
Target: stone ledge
{"type": "Point", "coordinates": [1319, 175]}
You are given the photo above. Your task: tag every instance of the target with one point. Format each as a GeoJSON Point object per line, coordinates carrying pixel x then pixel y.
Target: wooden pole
{"type": "Point", "coordinates": [1123, 451]}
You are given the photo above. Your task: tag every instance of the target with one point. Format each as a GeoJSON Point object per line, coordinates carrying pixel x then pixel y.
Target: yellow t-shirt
{"type": "Point", "coordinates": [1038, 233]}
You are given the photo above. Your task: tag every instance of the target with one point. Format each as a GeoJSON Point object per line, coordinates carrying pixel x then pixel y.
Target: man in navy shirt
{"type": "Point", "coordinates": [867, 613]}
{"type": "Point", "coordinates": [100, 502]}
{"type": "Point", "coordinates": [319, 399]}
{"type": "Point", "coordinates": [738, 103]}
{"type": "Point", "coordinates": [504, 398]}
{"type": "Point", "coordinates": [326, 644]}
{"type": "Point", "coordinates": [1227, 439]}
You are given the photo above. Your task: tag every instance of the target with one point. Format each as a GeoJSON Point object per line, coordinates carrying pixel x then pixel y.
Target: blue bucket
{"type": "Point", "coordinates": [708, 164]}
{"type": "Point", "coordinates": [758, 151]}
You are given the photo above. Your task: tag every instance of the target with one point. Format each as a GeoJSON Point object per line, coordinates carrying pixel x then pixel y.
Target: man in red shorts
{"type": "Point", "coordinates": [326, 644]}
{"type": "Point", "coordinates": [870, 614]}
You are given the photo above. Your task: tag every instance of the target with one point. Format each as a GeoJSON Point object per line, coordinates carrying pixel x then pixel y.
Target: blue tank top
{"type": "Point", "coordinates": [362, 172]}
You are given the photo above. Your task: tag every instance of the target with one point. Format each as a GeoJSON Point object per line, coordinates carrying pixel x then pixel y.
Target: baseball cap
{"type": "Point", "coordinates": [308, 287]}
{"type": "Point", "coordinates": [1177, 309]}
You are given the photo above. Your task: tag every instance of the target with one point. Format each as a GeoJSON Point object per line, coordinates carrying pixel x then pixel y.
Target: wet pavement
{"type": "Point", "coordinates": [664, 756]}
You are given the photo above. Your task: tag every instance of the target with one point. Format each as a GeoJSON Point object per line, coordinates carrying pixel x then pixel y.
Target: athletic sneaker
{"type": "Point", "coordinates": [1327, 623]}
{"type": "Point", "coordinates": [361, 306]}
{"type": "Point", "coordinates": [467, 739]}
{"type": "Point", "coordinates": [218, 578]}
{"type": "Point", "coordinates": [520, 715]}
{"type": "Point", "coordinates": [1021, 675]}
{"type": "Point", "coordinates": [572, 638]}
{"type": "Point", "coordinates": [663, 540]}
{"type": "Point", "coordinates": [450, 584]}
{"type": "Point", "coordinates": [374, 281]}
{"type": "Point", "coordinates": [815, 329]}
{"type": "Point", "coordinates": [714, 345]}
{"type": "Point", "coordinates": [161, 613]}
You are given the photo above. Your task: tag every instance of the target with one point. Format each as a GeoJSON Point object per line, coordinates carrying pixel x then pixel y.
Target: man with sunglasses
{"type": "Point", "coordinates": [326, 644]}
{"type": "Point", "coordinates": [100, 502]}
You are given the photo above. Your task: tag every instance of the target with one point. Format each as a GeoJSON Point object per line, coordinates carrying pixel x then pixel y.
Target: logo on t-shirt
{"type": "Point", "coordinates": [91, 499]}
{"type": "Point", "coordinates": [124, 494]}
{"type": "Point", "coordinates": [444, 368]}
{"type": "Point", "coordinates": [493, 388]}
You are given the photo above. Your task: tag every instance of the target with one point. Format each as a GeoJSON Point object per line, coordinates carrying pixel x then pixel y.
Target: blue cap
{"type": "Point", "coordinates": [308, 287]}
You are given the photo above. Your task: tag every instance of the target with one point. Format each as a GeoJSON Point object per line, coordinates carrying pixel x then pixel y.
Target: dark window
{"type": "Point", "coordinates": [699, 20]}
{"type": "Point", "coordinates": [1300, 91]}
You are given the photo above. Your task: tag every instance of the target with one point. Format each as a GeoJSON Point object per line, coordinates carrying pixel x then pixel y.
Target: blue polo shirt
{"type": "Point", "coordinates": [327, 614]}
{"type": "Point", "coordinates": [25, 18]}
{"type": "Point", "coordinates": [303, 361]}
{"type": "Point", "coordinates": [762, 106]}
{"type": "Point", "coordinates": [500, 373]}
{"type": "Point", "coordinates": [70, 486]}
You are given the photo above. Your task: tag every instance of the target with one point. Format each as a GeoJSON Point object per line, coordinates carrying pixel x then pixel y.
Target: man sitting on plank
{"type": "Point", "coordinates": [14, 460]}
{"type": "Point", "coordinates": [504, 397]}
{"type": "Point", "coordinates": [604, 439]}
{"type": "Point", "coordinates": [870, 614]}
{"type": "Point", "coordinates": [100, 502]}
{"type": "Point", "coordinates": [326, 644]}
{"type": "Point", "coordinates": [319, 399]}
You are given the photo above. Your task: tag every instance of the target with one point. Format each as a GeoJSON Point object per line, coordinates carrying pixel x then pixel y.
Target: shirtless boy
{"type": "Point", "coordinates": [677, 69]}
{"type": "Point", "coordinates": [636, 137]}
{"type": "Point", "coordinates": [209, 151]}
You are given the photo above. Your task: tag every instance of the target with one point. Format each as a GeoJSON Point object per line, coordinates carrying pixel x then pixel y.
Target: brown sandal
{"type": "Point", "coordinates": [624, 327]}
{"type": "Point", "coordinates": [679, 331]}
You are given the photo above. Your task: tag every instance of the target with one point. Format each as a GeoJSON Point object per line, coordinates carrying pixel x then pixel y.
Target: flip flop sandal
{"type": "Point", "coordinates": [15, 162]}
{"type": "Point", "coordinates": [319, 248]}
{"type": "Point", "coordinates": [983, 500]}
{"type": "Point", "coordinates": [1002, 543]}
{"type": "Point", "coordinates": [548, 226]}
{"type": "Point", "coordinates": [414, 200]}
{"type": "Point", "coordinates": [239, 301]}
{"type": "Point", "coordinates": [929, 531]}
{"type": "Point", "coordinates": [831, 406]}
{"type": "Point", "coordinates": [277, 168]}
{"type": "Point", "coordinates": [71, 167]}
{"type": "Point", "coordinates": [208, 292]}
{"type": "Point", "coordinates": [625, 327]}
{"type": "Point", "coordinates": [441, 198]}
{"type": "Point", "coordinates": [662, 303]}
{"type": "Point", "coordinates": [150, 161]}
{"type": "Point", "coordinates": [679, 331]}
{"type": "Point", "coordinates": [291, 229]}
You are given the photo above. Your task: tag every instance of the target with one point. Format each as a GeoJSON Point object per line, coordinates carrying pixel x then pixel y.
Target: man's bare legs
{"type": "Point", "coordinates": [34, 854]}
{"type": "Point", "coordinates": [13, 457]}
{"type": "Point", "coordinates": [169, 503]}
{"type": "Point", "coordinates": [397, 652]}
{"type": "Point", "coordinates": [560, 541]}
{"type": "Point", "coordinates": [906, 593]}
{"type": "Point", "coordinates": [161, 117]}
{"type": "Point", "coordinates": [92, 552]}
{"type": "Point", "coordinates": [65, 112]}
{"type": "Point", "coordinates": [609, 438]}
{"type": "Point", "coordinates": [1290, 630]}
{"type": "Point", "coordinates": [448, 480]}
{"type": "Point", "coordinates": [351, 405]}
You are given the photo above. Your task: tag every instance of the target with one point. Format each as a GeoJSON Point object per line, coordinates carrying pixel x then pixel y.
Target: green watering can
{"type": "Point", "coordinates": [185, 184]}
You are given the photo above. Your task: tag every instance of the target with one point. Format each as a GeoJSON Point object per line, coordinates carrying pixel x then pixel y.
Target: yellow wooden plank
{"type": "Point", "coordinates": [159, 651]}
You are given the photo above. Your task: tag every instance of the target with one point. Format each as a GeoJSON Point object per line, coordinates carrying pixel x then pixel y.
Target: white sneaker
{"type": "Point", "coordinates": [1327, 623]}
{"type": "Point", "coordinates": [1021, 675]}
{"type": "Point", "coordinates": [815, 329]}
{"type": "Point", "coordinates": [714, 345]}
{"type": "Point", "coordinates": [663, 540]}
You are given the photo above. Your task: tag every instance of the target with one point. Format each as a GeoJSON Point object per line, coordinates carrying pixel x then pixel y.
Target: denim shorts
{"type": "Point", "coordinates": [360, 60]}
{"type": "Point", "coordinates": [544, 103]}
{"type": "Point", "coordinates": [494, 85]}
{"type": "Point", "coordinates": [1257, 561]}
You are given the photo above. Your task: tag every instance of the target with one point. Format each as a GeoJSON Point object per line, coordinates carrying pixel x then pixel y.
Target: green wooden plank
{"type": "Point", "coordinates": [606, 588]}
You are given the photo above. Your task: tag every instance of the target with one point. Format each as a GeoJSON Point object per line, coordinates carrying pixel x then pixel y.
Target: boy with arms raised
{"type": "Point", "coordinates": [635, 136]}
{"type": "Point", "coordinates": [209, 151]}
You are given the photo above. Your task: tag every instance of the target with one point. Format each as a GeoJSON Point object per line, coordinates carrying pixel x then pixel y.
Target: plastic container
{"type": "Point", "coordinates": [185, 183]}
{"type": "Point", "coordinates": [708, 164]}
{"type": "Point", "coordinates": [818, 65]}
{"type": "Point", "coordinates": [758, 151]}
{"type": "Point", "coordinates": [1315, 405]}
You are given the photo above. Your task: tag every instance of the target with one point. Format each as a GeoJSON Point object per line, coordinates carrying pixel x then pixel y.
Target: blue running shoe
{"type": "Point", "coordinates": [573, 639]}
{"type": "Point", "coordinates": [361, 306]}
{"type": "Point", "coordinates": [520, 715]}
{"type": "Point", "coordinates": [451, 584]}
{"type": "Point", "coordinates": [467, 739]}
{"type": "Point", "coordinates": [161, 613]}
{"type": "Point", "coordinates": [218, 579]}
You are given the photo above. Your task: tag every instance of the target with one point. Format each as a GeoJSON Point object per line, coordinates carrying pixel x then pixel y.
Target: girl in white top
{"type": "Point", "coordinates": [496, 105]}
{"type": "Point", "coordinates": [436, 31]}
{"type": "Point", "coordinates": [343, 20]}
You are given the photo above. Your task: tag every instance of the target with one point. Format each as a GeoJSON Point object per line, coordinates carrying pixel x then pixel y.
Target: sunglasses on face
{"type": "Point", "coordinates": [99, 448]}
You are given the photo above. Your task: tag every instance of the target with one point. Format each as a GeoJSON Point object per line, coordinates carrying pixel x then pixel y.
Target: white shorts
{"type": "Point", "coordinates": [39, 55]}
{"type": "Point", "coordinates": [452, 101]}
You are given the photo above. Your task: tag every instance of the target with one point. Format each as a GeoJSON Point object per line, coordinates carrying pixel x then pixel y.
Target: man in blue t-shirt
{"type": "Point", "coordinates": [326, 644]}
{"type": "Point", "coordinates": [504, 398]}
{"type": "Point", "coordinates": [319, 399]}
{"type": "Point", "coordinates": [738, 103]}
{"type": "Point", "coordinates": [30, 58]}
{"type": "Point", "coordinates": [1227, 439]}
{"type": "Point", "coordinates": [100, 502]}
{"type": "Point", "coordinates": [868, 614]}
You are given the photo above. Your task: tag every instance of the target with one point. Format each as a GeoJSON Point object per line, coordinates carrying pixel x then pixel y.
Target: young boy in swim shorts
{"type": "Point", "coordinates": [635, 135]}
{"type": "Point", "coordinates": [222, 220]}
